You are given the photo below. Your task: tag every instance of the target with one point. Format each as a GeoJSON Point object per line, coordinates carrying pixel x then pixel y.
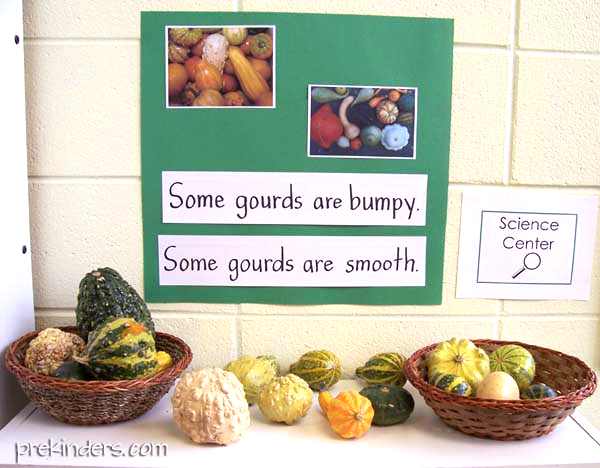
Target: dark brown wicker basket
{"type": "Point", "coordinates": [509, 419]}
{"type": "Point", "coordinates": [97, 401]}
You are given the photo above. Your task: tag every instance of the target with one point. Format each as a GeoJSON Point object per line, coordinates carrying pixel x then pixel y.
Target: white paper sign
{"type": "Point", "coordinates": [320, 261]}
{"type": "Point", "coordinates": [294, 198]}
{"type": "Point", "coordinates": [526, 246]}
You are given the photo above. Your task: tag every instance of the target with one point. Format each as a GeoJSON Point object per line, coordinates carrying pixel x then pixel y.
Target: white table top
{"type": "Point", "coordinates": [422, 441]}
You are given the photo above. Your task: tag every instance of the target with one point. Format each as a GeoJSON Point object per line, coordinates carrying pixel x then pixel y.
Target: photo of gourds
{"type": "Point", "coordinates": [228, 66]}
{"type": "Point", "coordinates": [363, 122]}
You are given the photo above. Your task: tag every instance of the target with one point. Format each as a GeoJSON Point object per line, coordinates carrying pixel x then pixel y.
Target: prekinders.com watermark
{"type": "Point", "coordinates": [64, 449]}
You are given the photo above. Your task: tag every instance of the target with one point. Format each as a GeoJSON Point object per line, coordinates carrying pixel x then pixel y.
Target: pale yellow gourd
{"type": "Point", "coordinates": [209, 406]}
{"type": "Point", "coordinates": [459, 357]}
{"type": "Point", "coordinates": [285, 399]}
{"type": "Point", "coordinates": [253, 373]}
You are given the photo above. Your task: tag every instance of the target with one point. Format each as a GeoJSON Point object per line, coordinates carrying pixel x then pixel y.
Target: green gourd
{"type": "Point", "coordinates": [323, 95]}
{"type": "Point", "coordinates": [371, 135]}
{"type": "Point", "coordinates": [103, 293]}
{"type": "Point", "coordinates": [72, 370]}
{"type": "Point", "coordinates": [383, 368]}
{"type": "Point", "coordinates": [392, 404]}
{"type": "Point", "coordinates": [120, 349]}
{"type": "Point", "coordinates": [515, 361]}
{"type": "Point", "coordinates": [451, 383]}
{"type": "Point", "coordinates": [538, 390]}
{"type": "Point", "coordinates": [319, 369]}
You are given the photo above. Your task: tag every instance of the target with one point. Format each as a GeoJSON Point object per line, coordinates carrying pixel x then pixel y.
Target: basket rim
{"type": "Point", "coordinates": [22, 373]}
{"type": "Point", "coordinates": [560, 402]}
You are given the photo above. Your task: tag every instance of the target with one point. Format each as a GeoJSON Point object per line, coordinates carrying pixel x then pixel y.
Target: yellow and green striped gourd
{"type": "Point", "coordinates": [451, 383]}
{"type": "Point", "coordinates": [120, 349]}
{"type": "Point", "coordinates": [383, 368]}
{"type": "Point", "coordinates": [319, 369]}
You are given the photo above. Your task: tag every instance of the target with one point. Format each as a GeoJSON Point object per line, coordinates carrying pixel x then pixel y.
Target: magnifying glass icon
{"type": "Point", "coordinates": [531, 261]}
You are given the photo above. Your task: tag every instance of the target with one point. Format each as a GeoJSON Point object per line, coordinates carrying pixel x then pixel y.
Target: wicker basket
{"type": "Point", "coordinates": [509, 419]}
{"type": "Point", "coordinates": [97, 401]}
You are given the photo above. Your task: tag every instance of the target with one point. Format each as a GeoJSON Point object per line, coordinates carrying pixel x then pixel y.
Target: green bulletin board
{"type": "Point", "coordinates": [339, 53]}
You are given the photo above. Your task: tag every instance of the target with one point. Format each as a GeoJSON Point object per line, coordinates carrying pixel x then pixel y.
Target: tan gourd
{"type": "Point", "coordinates": [209, 406]}
{"type": "Point", "coordinates": [50, 348]}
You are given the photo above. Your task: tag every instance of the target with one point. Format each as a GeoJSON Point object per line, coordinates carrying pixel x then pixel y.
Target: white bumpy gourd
{"type": "Point", "coordinates": [209, 406]}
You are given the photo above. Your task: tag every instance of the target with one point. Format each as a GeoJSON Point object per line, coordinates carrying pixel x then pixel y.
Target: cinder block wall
{"type": "Point", "coordinates": [525, 115]}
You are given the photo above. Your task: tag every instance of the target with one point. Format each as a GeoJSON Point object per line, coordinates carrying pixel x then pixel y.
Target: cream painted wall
{"type": "Point", "coordinates": [526, 113]}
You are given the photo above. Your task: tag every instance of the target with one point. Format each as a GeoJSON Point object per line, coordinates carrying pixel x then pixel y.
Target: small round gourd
{"type": "Point", "coordinates": [516, 361]}
{"type": "Point", "coordinates": [320, 369]}
{"type": "Point", "coordinates": [451, 383]}
{"type": "Point", "coordinates": [387, 112]}
{"type": "Point", "coordinates": [459, 357]}
{"type": "Point", "coordinates": [394, 137]}
{"type": "Point", "coordinates": [285, 399]}
{"type": "Point", "coordinates": [498, 386]}
{"type": "Point", "coordinates": [392, 404]}
{"type": "Point", "coordinates": [50, 349]}
{"type": "Point", "coordinates": [350, 414]}
{"type": "Point", "coordinates": [370, 135]}
{"type": "Point", "coordinates": [209, 406]}
{"type": "Point", "coordinates": [186, 37]}
{"type": "Point", "coordinates": [383, 368]}
{"type": "Point", "coordinates": [539, 390]}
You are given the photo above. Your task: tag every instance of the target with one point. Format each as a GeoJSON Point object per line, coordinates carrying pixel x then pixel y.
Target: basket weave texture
{"type": "Point", "coordinates": [509, 419]}
{"type": "Point", "coordinates": [96, 401]}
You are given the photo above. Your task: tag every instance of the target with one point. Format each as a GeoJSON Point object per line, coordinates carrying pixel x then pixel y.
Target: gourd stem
{"type": "Point", "coordinates": [358, 416]}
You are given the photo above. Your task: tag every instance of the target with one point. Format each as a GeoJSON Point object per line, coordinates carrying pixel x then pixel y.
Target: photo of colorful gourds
{"type": "Point", "coordinates": [228, 66]}
{"type": "Point", "coordinates": [377, 122]}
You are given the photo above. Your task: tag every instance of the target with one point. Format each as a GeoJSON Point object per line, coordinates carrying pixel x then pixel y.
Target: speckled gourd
{"type": "Point", "coordinates": [120, 349]}
{"type": "Point", "coordinates": [103, 293]}
{"type": "Point", "coordinates": [285, 399]}
{"type": "Point", "coordinates": [209, 406]}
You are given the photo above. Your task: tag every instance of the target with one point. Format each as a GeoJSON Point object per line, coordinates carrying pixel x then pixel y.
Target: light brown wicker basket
{"type": "Point", "coordinates": [97, 401]}
{"type": "Point", "coordinates": [509, 419]}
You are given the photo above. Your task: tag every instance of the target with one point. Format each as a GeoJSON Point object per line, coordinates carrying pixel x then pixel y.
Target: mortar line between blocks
{"type": "Point", "coordinates": [236, 5]}
{"type": "Point", "coordinates": [442, 317]}
{"type": "Point", "coordinates": [75, 179]}
{"type": "Point", "coordinates": [497, 322]}
{"type": "Point", "coordinates": [510, 98]}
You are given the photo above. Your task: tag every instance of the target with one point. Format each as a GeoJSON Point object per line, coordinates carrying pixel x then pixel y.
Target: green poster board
{"type": "Point", "coordinates": [343, 54]}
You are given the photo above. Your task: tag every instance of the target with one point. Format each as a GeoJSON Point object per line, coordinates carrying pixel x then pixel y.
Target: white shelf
{"type": "Point", "coordinates": [422, 441]}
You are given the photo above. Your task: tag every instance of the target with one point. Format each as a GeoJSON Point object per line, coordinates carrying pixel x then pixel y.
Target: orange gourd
{"type": "Point", "coordinates": [208, 76]}
{"type": "Point", "coordinates": [350, 414]}
{"type": "Point", "coordinates": [325, 398]}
